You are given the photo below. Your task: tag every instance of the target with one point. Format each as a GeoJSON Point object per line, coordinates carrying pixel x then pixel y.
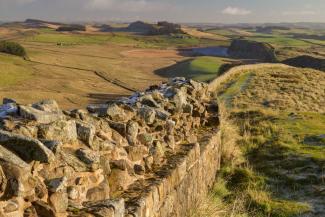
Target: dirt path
{"type": "Point", "coordinates": [239, 69]}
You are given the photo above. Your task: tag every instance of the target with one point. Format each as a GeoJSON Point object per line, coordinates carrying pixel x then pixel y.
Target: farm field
{"type": "Point", "coordinates": [63, 66]}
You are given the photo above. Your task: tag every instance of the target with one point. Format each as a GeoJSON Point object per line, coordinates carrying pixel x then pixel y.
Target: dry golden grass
{"type": "Point", "coordinates": [73, 88]}
{"type": "Point", "coordinates": [292, 89]}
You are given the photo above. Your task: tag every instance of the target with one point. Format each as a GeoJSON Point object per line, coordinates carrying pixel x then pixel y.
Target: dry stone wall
{"type": "Point", "coordinates": [153, 154]}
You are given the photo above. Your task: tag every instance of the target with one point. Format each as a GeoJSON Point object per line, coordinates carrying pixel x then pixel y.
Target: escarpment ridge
{"type": "Point", "coordinates": [152, 154]}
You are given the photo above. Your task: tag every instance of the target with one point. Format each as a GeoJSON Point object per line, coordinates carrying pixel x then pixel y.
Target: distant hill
{"type": "Point", "coordinates": [161, 28]}
{"type": "Point", "coordinates": [306, 61]}
{"type": "Point", "coordinates": [35, 21]}
{"type": "Point", "coordinates": [141, 27]}
{"type": "Point", "coordinates": [241, 48]}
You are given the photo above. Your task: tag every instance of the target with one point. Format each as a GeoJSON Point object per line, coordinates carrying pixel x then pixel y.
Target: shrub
{"type": "Point", "coordinates": [12, 48]}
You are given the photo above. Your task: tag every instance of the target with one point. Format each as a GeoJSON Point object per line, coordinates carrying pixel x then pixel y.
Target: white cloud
{"type": "Point", "coordinates": [16, 1]}
{"type": "Point", "coordinates": [125, 5]}
{"type": "Point", "coordinates": [236, 11]}
{"type": "Point", "coordinates": [302, 13]}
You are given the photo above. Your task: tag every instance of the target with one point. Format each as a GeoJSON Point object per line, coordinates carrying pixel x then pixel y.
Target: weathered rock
{"type": "Point", "coordinates": [119, 180]}
{"type": "Point", "coordinates": [64, 131]}
{"type": "Point", "coordinates": [47, 106]}
{"type": "Point", "coordinates": [180, 99]}
{"type": "Point", "coordinates": [139, 169]}
{"type": "Point", "coordinates": [8, 109]}
{"type": "Point", "coordinates": [116, 113]}
{"type": "Point", "coordinates": [130, 143]}
{"type": "Point", "coordinates": [40, 116]}
{"type": "Point", "coordinates": [43, 209]}
{"type": "Point", "coordinates": [58, 184]}
{"type": "Point", "coordinates": [119, 127]}
{"type": "Point", "coordinates": [27, 148]}
{"type": "Point", "coordinates": [88, 156]}
{"type": "Point", "coordinates": [132, 129]}
{"type": "Point", "coordinates": [149, 101]}
{"type": "Point", "coordinates": [86, 132]}
{"type": "Point", "coordinates": [27, 130]}
{"type": "Point", "coordinates": [53, 145]}
{"type": "Point", "coordinates": [106, 208]}
{"type": "Point", "coordinates": [98, 193]}
{"type": "Point", "coordinates": [148, 114]}
{"type": "Point", "coordinates": [59, 202]}
{"type": "Point", "coordinates": [8, 101]}
{"type": "Point", "coordinates": [145, 139]}
{"type": "Point", "coordinates": [162, 114]}
{"type": "Point", "coordinates": [137, 153]}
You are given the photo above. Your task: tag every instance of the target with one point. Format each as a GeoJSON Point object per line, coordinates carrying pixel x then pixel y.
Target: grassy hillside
{"type": "Point", "coordinates": [13, 70]}
{"type": "Point", "coordinates": [280, 120]}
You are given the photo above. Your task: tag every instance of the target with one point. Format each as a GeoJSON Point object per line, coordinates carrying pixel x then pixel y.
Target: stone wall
{"type": "Point", "coordinates": [179, 190]}
{"type": "Point", "coordinates": [152, 154]}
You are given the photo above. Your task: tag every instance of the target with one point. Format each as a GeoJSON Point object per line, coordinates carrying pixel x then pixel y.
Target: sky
{"type": "Point", "coordinates": [184, 11]}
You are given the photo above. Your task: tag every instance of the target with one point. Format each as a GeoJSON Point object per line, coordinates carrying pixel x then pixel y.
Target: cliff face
{"type": "Point", "coordinates": [306, 61]}
{"type": "Point", "coordinates": [241, 48]}
{"type": "Point", "coordinates": [144, 154]}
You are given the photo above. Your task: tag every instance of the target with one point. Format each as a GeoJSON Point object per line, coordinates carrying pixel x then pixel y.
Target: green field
{"type": "Point", "coordinates": [200, 68]}
{"type": "Point", "coordinates": [163, 41]}
{"type": "Point", "coordinates": [280, 40]}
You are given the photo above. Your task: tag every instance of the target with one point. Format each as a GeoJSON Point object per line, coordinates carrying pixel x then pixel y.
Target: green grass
{"type": "Point", "coordinates": [13, 70]}
{"type": "Point", "coordinates": [279, 40]}
{"type": "Point", "coordinates": [283, 145]}
{"type": "Point", "coordinates": [200, 68]}
{"type": "Point", "coordinates": [235, 88]}
{"type": "Point", "coordinates": [162, 41]}
{"type": "Point", "coordinates": [78, 38]}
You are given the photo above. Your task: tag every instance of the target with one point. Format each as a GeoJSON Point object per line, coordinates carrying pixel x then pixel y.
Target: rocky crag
{"type": "Point", "coordinates": [137, 156]}
{"type": "Point", "coordinates": [242, 48]}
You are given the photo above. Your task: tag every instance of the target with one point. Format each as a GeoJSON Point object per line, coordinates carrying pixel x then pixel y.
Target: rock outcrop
{"type": "Point", "coordinates": [89, 162]}
{"type": "Point", "coordinates": [241, 48]}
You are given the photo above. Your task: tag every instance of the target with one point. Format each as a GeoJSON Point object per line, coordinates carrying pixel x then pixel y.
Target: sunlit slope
{"type": "Point", "coordinates": [280, 115]}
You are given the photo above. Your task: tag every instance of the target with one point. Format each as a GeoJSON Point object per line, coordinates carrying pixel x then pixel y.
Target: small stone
{"type": "Point", "coordinates": [43, 209]}
{"type": "Point", "coordinates": [98, 193]}
{"type": "Point", "coordinates": [28, 149]}
{"type": "Point", "coordinates": [58, 184]}
{"type": "Point", "coordinates": [188, 108]}
{"type": "Point", "coordinates": [148, 114]}
{"type": "Point", "coordinates": [53, 145]}
{"type": "Point", "coordinates": [132, 129]}
{"type": "Point", "coordinates": [41, 113]}
{"type": "Point", "coordinates": [149, 101]}
{"type": "Point", "coordinates": [137, 153]}
{"type": "Point", "coordinates": [88, 156]}
{"type": "Point", "coordinates": [139, 169]}
{"type": "Point", "coordinates": [85, 132]}
{"type": "Point", "coordinates": [115, 112]}
{"type": "Point", "coordinates": [149, 162]}
{"type": "Point", "coordinates": [59, 201]}
{"type": "Point", "coordinates": [145, 139]}
{"type": "Point", "coordinates": [11, 206]}
{"type": "Point", "coordinates": [64, 131]}
{"type": "Point", "coordinates": [8, 101]}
